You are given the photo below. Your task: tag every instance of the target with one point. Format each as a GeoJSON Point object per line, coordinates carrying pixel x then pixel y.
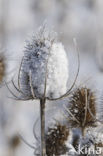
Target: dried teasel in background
{"type": "Point", "coordinates": [14, 141]}
{"type": "Point", "coordinates": [82, 109]}
{"type": "Point", "coordinates": [56, 138]}
{"type": "Point", "coordinates": [2, 66]}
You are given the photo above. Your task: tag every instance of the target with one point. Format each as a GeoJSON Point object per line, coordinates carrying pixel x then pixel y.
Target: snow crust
{"type": "Point", "coordinates": [45, 63]}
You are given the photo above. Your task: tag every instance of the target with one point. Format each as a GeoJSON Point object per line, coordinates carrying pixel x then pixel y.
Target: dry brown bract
{"type": "Point", "coordinates": [82, 108]}
{"type": "Point", "coordinates": [55, 140]}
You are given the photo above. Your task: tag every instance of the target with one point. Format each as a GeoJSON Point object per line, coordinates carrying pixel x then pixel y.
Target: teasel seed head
{"type": "Point", "coordinates": [82, 109]}
{"type": "Point", "coordinates": [44, 67]}
{"type": "Point", "coordinates": [56, 138]}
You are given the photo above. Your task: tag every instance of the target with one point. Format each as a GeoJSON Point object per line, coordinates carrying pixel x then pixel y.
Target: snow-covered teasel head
{"type": "Point", "coordinates": [44, 68]}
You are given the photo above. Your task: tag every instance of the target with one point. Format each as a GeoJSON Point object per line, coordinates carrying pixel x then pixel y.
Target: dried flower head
{"type": "Point", "coordinates": [82, 108]}
{"type": "Point", "coordinates": [44, 68]}
{"type": "Point", "coordinates": [43, 73]}
{"type": "Point", "coordinates": [2, 67]}
{"type": "Point", "coordinates": [56, 138]}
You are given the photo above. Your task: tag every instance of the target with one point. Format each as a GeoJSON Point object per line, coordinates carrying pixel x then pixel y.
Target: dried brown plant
{"type": "Point", "coordinates": [82, 109]}
{"type": "Point", "coordinates": [2, 67]}
{"type": "Point", "coordinates": [15, 141]}
{"type": "Point", "coordinates": [56, 138]}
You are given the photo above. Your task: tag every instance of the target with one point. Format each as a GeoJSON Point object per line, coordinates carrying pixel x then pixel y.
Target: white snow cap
{"type": "Point", "coordinates": [45, 63]}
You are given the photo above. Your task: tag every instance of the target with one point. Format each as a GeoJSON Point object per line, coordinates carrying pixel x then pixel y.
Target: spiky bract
{"type": "Point", "coordinates": [56, 138]}
{"type": "Point", "coordinates": [82, 107]}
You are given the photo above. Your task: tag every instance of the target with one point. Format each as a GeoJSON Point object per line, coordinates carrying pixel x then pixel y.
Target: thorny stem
{"type": "Point", "coordinates": [42, 117]}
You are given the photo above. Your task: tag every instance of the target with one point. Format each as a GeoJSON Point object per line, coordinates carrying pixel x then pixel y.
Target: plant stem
{"type": "Point", "coordinates": [42, 117]}
{"type": "Point", "coordinates": [83, 131]}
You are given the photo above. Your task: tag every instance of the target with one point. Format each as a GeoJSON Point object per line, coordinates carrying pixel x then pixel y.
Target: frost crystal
{"type": "Point", "coordinates": [45, 63]}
